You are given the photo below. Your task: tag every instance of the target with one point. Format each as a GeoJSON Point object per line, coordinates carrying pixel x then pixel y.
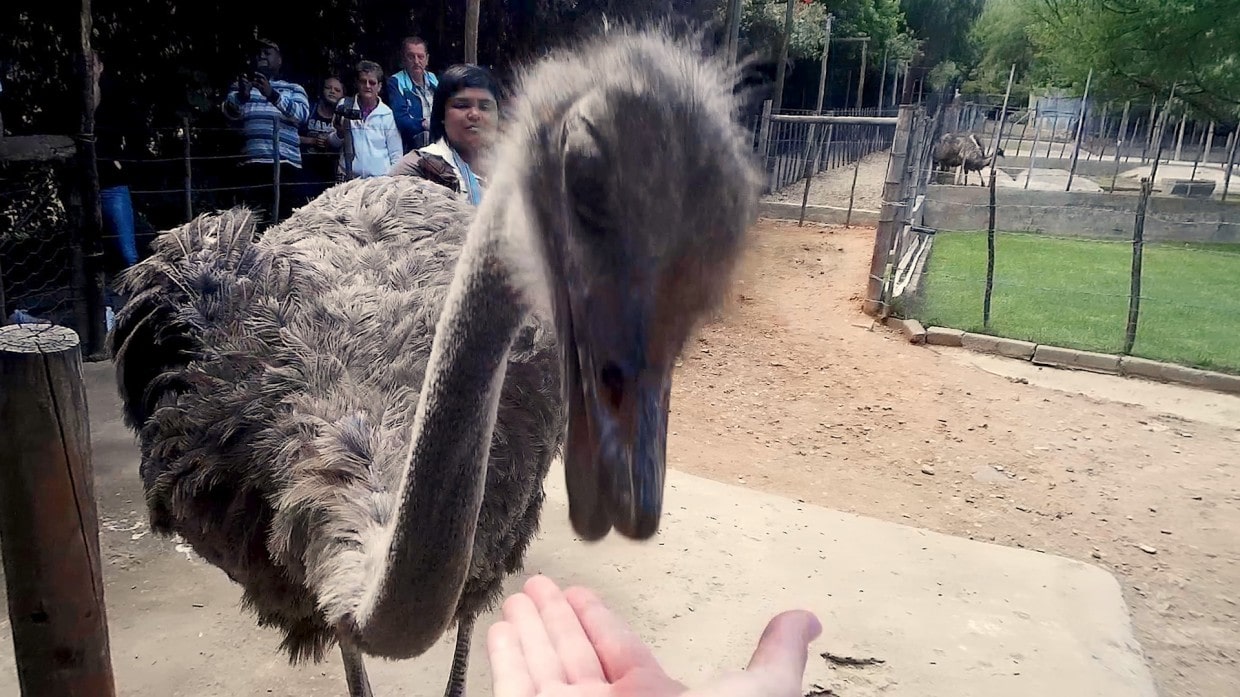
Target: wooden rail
{"type": "Point", "coordinates": [845, 120]}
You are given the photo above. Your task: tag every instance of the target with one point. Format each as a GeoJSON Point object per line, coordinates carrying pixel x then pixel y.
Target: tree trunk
{"type": "Point", "coordinates": [472, 8]}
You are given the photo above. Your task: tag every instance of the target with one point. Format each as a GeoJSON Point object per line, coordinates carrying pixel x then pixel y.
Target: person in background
{"type": "Point", "coordinates": [366, 128]}
{"type": "Point", "coordinates": [411, 93]}
{"type": "Point", "coordinates": [464, 125]}
{"type": "Point", "coordinates": [257, 101]}
{"type": "Point", "coordinates": [319, 158]}
{"type": "Point", "coordinates": [115, 202]}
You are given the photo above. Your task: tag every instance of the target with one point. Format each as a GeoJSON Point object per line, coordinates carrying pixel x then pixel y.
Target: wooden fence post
{"type": "Point", "coordinates": [275, 171]}
{"type": "Point", "coordinates": [888, 216]}
{"type": "Point", "coordinates": [1138, 250]}
{"type": "Point", "coordinates": [189, 171]}
{"type": "Point", "coordinates": [49, 528]}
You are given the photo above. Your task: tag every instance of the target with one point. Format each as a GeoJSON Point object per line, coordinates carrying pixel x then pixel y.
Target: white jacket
{"type": "Point", "coordinates": [374, 141]}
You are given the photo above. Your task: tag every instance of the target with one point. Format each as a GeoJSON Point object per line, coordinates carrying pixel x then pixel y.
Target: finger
{"type": "Point", "coordinates": [783, 650]}
{"type": "Point", "coordinates": [540, 657]}
{"type": "Point", "coordinates": [510, 677]}
{"type": "Point", "coordinates": [617, 646]}
{"type": "Point", "coordinates": [576, 652]}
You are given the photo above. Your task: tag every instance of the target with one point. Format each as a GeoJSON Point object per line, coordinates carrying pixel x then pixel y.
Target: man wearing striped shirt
{"type": "Point", "coordinates": [259, 102]}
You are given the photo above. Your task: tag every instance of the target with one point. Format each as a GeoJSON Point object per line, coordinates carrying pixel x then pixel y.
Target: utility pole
{"type": "Point", "coordinates": [822, 75]}
{"type": "Point", "coordinates": [733, 25]}
{"type": "Point", "coordinates": [472, 10]}
{"type": "Point", "coordinates": [861, 80]}
{"type": "Point", "coordinates": [865, 41]}
{"type": "Point", "coordinates": [781, 69]}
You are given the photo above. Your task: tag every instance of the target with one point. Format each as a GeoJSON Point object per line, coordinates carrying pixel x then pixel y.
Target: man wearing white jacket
{"type": "Point", "coordinates": [366, 128]}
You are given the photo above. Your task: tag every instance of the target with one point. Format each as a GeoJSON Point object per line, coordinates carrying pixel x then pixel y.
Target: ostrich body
{"type": "Point", "coordinates": [962, 152]}
{"type": "Point", "coordinates": [352, 416]}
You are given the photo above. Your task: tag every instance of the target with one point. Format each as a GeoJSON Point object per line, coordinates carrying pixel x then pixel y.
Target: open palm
{"type": "Point", "coordinates": [554, 643]}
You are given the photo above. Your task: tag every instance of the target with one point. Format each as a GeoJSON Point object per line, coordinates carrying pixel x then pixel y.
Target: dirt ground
{"type": "Point", "coordinates": [831, 188]}
{"type": "Point", "coordinates": [794, 391]}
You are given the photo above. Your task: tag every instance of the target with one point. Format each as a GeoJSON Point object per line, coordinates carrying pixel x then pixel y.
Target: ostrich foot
{"type": "Point", "coordinates": [460, 659]}
{"type": "Point", "coordinates": [355, 672]}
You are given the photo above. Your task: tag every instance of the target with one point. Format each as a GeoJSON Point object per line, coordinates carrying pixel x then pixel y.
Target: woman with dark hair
{"type": "Point", "coordinates": [464, 124]}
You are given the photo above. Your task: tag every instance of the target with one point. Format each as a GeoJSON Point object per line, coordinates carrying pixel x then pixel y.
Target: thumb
{"type": "Point", "coordinates": [783, 650]}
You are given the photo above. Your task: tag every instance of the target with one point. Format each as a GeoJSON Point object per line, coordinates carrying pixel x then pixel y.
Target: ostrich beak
{"type": "Point", "coordinates": [615, 452]}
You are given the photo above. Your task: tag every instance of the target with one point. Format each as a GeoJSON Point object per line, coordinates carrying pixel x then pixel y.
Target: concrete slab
{"type": "Point", "coordinates": [946, 615]}
{"type": "Point", "coordinates": [1012, 348]}
{"type": "Point", "coordinates": [910, 328]}
{"type": "Point", "coordinates": [1074, 359]}
{"type": "Point", "coordinates": [944, 336]}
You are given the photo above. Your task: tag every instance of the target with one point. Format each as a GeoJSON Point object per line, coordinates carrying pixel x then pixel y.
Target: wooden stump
{"type": "Point", "coordinates": [49, 530]}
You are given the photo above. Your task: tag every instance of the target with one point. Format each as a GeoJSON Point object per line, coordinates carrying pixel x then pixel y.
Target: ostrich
{"type": "Point", "coordinates": [964, 153]}
{"type": "Point", "coordinates": [353, 414]}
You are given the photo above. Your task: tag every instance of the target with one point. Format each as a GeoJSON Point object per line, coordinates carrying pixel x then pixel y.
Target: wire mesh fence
{"type": "Point", "coordinates": [1150, 274]}
{"type": "Point", "coordinates": [37, 263]}
{"type": "Point", "coordinates": [794, 147]}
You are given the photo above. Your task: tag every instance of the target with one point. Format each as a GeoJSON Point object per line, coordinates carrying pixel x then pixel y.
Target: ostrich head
{"type": "Point", "coordinates": [640, 186]}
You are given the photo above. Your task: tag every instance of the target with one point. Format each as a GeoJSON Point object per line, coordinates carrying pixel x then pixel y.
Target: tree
{"type": "Point", "coordinates": [1000, 38]}
{"type": "Point", "coordinates": [1139, 48]}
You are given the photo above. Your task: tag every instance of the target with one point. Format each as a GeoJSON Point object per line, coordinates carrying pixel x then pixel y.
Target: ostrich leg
{"type": "Point", "coordinates": [355, 672]}
{"type": "Point", "coordinates": [460, 659]}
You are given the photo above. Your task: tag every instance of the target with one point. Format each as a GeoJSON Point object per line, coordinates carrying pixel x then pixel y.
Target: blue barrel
{"type": "Point", "coordinates": [117, 209]}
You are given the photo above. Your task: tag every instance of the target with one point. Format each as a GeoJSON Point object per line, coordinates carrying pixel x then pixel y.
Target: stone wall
{"type": "Point", "coordinates": [1081, 214]}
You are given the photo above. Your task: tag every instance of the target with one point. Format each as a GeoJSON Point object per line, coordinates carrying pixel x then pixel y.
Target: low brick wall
{"type": "Point", "coordinates": [1081, 214]}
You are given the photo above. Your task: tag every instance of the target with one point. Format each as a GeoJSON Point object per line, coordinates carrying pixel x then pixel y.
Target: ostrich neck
{"type": "Point", "coordinates": [432, 538]}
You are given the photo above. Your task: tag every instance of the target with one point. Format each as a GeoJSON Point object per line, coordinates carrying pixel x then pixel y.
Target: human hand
{"type": "Point", "coordinates": [243, 89]}
{"type": "Point", "coordinates": [263, 85]}
{"type": "Point", "coordinates": [569, 644]}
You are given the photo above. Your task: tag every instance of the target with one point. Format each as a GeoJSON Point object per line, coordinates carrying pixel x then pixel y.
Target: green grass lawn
{"type": "Point", "coordinates": [1074, 293]}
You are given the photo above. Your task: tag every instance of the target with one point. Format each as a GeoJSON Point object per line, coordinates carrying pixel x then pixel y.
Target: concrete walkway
{"type": "Point", "coordinates": [945, 616]}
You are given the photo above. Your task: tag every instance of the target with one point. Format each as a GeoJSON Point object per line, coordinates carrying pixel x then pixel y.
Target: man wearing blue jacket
{"type": "Point", "coordinates": [411, 92]}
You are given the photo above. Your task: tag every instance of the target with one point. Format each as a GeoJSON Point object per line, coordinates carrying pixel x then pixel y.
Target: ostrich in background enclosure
{"type": "Point", "coordinates": [353, 415]}
{"type": "Point", "coordinates": [962, 152]}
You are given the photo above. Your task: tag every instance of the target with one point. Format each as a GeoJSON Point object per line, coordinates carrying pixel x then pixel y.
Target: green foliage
{"type": "Point", "coordinates": [943, 27]}
{"type": "Point", "coordinates": [1000, 38]}
{"type": "Point", "coordinates": [1136, 48]}
{"type": "Point", "coordinates": [762, 26]}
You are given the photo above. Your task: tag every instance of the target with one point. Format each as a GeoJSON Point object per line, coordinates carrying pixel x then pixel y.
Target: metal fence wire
{"type": "Point", "coordinates": [37, 279]}
{"type": "Point", "coordinates": [1141, 269]}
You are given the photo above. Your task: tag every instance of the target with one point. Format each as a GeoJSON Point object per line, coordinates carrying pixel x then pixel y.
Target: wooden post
{"type": "Point", "coordinates": [49, 530]}
{"type": "Point", "coordinates": [994, 146]}
{"type": "Point", "coordinates": [1120, 142]}
{"type": "Point", "coordinates": [781, 69]}
{"type": "Point", "coordinates": [1205, 157]}
{"type": "Point", "coordinates": [1231, 161]}
{"type": "Point", "coordinates": [1179, 139]}
{"type": "Point", "coordinates": [990, 254]}
{"type": "Point", "coordinates": [1138, 249]}
{"type": "Point", "coordinates": [852, 192]}
{"type": "Point", "coordinates": [472, 9]}
{"type": "Point", "coordinates": [733, 23]}
{"type": "Point", "coordinates": [275, 170]}
{"type": "Point", "coordinates": [1080, 130]}
{"type": "Point", "coordinates": [874, 302]}
{"type": "Point", "coordinates": [764, 139]}
{"type": "Point", "coordinates": [822, 70]}
{"type": "Point", "coordinates": [861, 79]}
{"type": "Point", "coordinates": [189, 173]}
{"type": "Point", "coordinates": [1033, 149]}
{"type": "Point", "coordinates": [811, 170]}
{"type": "Point", "coordinates": [882, 84]}
{"type": "Point", "coordinates": [88, 243]}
